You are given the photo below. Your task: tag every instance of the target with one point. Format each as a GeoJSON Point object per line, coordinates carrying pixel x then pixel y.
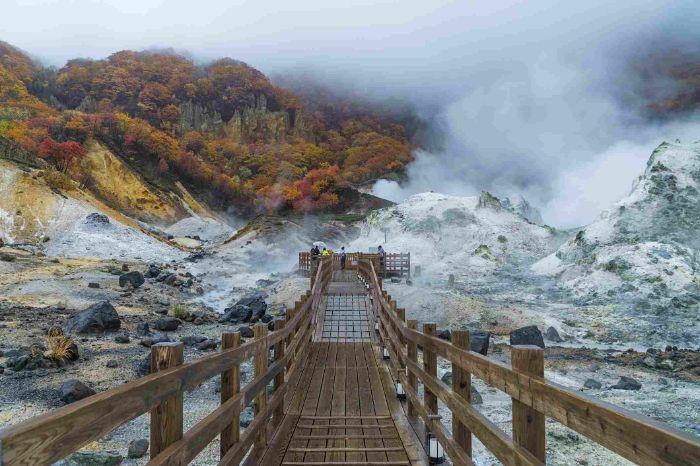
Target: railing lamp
{"type": "Point", "coordinates": [436, 455]}
{"type": "Point", "coordinates": [385, 352]}
{"type": "Point", "coordinates": [376, 326]}
{"type": "Point", "coordinates": [400, 393]}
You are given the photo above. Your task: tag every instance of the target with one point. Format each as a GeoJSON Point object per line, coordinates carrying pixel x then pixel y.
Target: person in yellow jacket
{"type": "Point", "coordinates": [325, 252]}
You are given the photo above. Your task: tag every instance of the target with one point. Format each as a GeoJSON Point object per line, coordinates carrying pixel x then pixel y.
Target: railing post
{"type": "Point", "coordinates": [230, 386]}
{"type": "Point", "coordinates": [430, 366]}
{"type": "Point", "coordinates": [279, 378]}
{"type": "Point", "coordinates": [288, 316]}
{"type": "Point", "coordinates": [528, 423]}
{"type": "Point", "coordinates": [462, 386]}
{"type": "Point", "coordinates": [259, 368]}
{"type": "Point", "coordinates": [412, 354]}
{"type": "Point", "coordinates": [166, 418]}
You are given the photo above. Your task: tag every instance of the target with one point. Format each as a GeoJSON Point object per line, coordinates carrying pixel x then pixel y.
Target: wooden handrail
{"type": "Point", "coordinates": [636, 437]}
{"type": "Point", "coordinates": [54, 435]}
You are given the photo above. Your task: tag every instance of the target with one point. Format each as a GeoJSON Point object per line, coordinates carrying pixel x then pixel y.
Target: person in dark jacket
{"type": "Point", "coordinates": [343, 258]}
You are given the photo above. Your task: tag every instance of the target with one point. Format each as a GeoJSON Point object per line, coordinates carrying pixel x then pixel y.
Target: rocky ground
{"type": "Point", "coordinates": [112, 327]}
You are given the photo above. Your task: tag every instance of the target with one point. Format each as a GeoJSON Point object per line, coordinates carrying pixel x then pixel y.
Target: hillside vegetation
{"type": "Point", "coordinates": [223, 129]}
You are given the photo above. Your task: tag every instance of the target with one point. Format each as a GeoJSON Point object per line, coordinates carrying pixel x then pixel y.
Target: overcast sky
{"type": "Point", "coordinates": [531, 97]}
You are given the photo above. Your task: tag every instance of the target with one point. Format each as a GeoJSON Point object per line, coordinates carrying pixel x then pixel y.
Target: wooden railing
{"type": "Point", "coordinates": [58, 433]}
{"type": "Point", "coordinates": [638, 438]}
{"type": "Point", "coordinates": [393, 264]}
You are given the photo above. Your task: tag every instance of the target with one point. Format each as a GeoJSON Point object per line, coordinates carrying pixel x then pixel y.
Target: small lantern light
{"type": "Point", "coordinates": [400, 393]}
{"type": "Point", "coordinates": [436, 454]}
{"type": "Point", "coordinates": [376, 326]}
{"type": "Point", "coordinates": [385, 352]}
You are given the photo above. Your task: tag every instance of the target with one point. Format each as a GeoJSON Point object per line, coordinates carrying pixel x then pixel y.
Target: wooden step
{"type": "Point", "coordinates": [343, 437]}
{"type": "Point", "coordinates": [343, 426]}
{"type": "Point", "coordinates": [340, 416]}
{"type": "Point", "coordinates": [344, 449]}
{"type": "Point", "coordinates": [346, 463]}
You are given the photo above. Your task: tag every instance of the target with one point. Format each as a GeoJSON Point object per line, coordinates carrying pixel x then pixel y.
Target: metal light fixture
{"type": "Point", "coordinates": [385, 352]}
{"type": "Point", "coordinates": [400, 393]}
{"type": "Point", "coordinates": [376, 326]}
{"type": "Point", "coordinates": [436, 455]}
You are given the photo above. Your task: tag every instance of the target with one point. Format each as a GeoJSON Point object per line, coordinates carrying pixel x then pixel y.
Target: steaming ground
{"type": "Point", "coordinates": [508, 271]}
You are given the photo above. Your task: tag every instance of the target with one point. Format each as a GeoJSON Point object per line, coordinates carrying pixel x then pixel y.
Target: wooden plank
{"type": "Point", "coordinates": [346, 463]}
{"type": "Point", "coordinates": [461, 386]}
{"type": "Point", "coordinates": [352, 406]}
{"type": "Point", "coordinates": [260, 362]}
{"type": "Point", "coordinates": [230, 385]}
{"type": "Point", "coordinates": [338, 404]}
{"type": "Point", "coordinates": [528, 423]}
{"type": "Point", "coordinates": [412, 354]}
{"type": "Point", "coordinates": [310, 401]}
{"type": "Point", "coordinates": [166, 418]}
{"type": "Point", "coordinates": [367, 404]}
{"type": "Point", "coordinates": [412, 442]}
{"type": "Point", "coordinates": [430, 366]}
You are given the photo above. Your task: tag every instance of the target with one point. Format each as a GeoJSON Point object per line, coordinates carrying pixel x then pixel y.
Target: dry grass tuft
{"type": "Point", "coordinates": [179, 312]}
{"type": "Point", "coordinates": [60, 347]}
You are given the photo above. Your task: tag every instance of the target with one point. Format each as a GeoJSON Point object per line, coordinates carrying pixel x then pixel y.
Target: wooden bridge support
{"type": "Point", "coordinates": [166, 418]}
{"type": "Point", "coordinates": [260, 362]}
{"type": "Point", "coordinates": [230, 385]}
{"type": "Point", "coordinates": [462, 386]}
{"type": "Point", "coordinates": [528, 423]}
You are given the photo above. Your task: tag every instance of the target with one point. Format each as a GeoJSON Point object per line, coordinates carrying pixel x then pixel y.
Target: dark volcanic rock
{"type": "Point", "coordinates": [6, 257]}
{"type": "Point", "coordinates": [166, 324]}
{"type": "Point", "coordinates": [246, 332]}
{"type": "Point", "coordinates": [143, 329]}
{"type": "Point", "coordinates": [627, 383]}
{"type": "Point", "coordinates": [447, 378]}
{"type": "Point", "coordinates": [479, 341]}
{"type": "Point", "coordinates": [157, 338]}
{"type": "Point", "coordinates": [444, 334]}
{"type": "Point", "coordinates": [592, 384]}
{"type": "Point", "coordinates": [74, 390]}
{"type": "Point", "coordinates": [552, 335]}
{"type": "Point", "coordinates": [153, 271]}
{"type": "Point", "coordinates": [134, 278]}
{"type": "Point", "coordinates": [143, 367]}
{"type": "Point", "coordinates": [248, 308]}
{"type": "Point", "coordinates": [93, 285]}
{"type": "Point", "coordinates": [97, 219]}
{"type": "Point", "coordinates": [112, 363]}
{"type": "Point", "coordinates": [266, 318]}
{"type": "Point", "coordinates": [192, 340]}
{"type": "Point", "coordinates": [95, 319]}
{"type": "Point", "coordinates": [207, 345]}
{"type": "Point", "coordinates": [476, 397]}
{"type": "Point", "coordinates": [138, 448]}
{"type": "Point", "coordinates": [530, 335]}
{"type": "Point", "coordinates": [122, 339]}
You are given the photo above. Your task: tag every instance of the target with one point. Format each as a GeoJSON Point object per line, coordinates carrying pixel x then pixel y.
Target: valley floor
{"type": "Point", "coordinates": [39, 292]}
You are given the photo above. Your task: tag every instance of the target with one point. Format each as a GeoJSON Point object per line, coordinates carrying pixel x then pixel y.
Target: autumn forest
{"type": "Point", "coordinates": [223, 129]}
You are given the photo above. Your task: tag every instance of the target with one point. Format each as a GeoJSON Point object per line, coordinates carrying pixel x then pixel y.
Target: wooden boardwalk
{"type": "Point", "coordinates": [323, 393]}
{"type": "Point", "coordinates": [342, 413]}
{"type": "Point", "coordinates": [344, 407]}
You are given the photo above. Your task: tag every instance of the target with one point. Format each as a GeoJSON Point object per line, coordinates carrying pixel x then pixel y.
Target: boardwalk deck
{"type": "Point", "coordinates": [327, 396]}
{"type": "Point", "coordinates": [341, 412]}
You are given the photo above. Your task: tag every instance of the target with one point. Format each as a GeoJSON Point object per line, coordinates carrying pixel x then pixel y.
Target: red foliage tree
{"type": "Point", "coordinates": [61, 154]}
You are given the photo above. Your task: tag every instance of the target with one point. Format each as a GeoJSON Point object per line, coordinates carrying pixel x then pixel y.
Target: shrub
{"type": "Point", "coordinates": [179, 312]}
{"type": "Point", "coordinates": [60, 347]}
{"type": "Point", "coordinates": [57, 180]}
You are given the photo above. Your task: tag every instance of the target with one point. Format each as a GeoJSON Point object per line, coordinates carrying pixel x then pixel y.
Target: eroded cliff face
{"type": "Point", "coordinates": [642, 253]}
{"type": "Point", "coordinates": [255, 123]}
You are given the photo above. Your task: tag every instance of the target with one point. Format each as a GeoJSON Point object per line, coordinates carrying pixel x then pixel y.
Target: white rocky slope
{"type": "Point", "coordinates": [642, 253]}
{"type": "Point", "coordinates": [462, 235]}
